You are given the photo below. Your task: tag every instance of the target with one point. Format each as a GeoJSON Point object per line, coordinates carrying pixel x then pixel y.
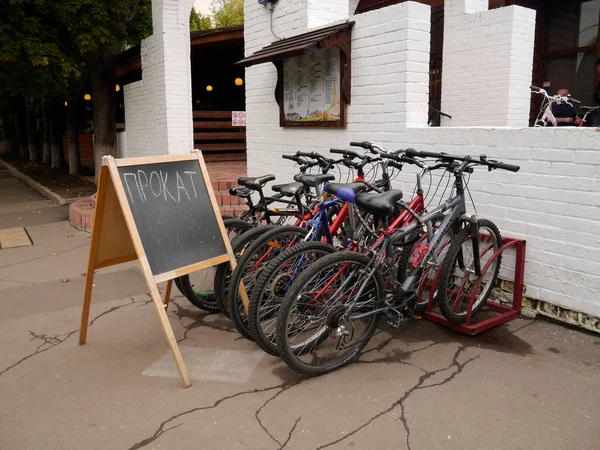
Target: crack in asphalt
{"type": "Point", "coordinates": [291, 433]}
{"type": "Point", "coordinates": [162, 430]}
{"type": "Point", "coordinates": [44, 256]}
{"type": "Point", "coordinates": [285, 387]}
{"type": "Point", "coordinates": [14, 281]}
{"type": "Point", "coordinates": [400, 402]}
{"type": "Point", "coordinates": [50, 341]}
{"type": "Point", "coordinates": [426, 375]}
{"type": "Point", "coordinates": [197, 318]}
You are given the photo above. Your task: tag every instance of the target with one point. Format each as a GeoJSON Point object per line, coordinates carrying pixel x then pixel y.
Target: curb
{"type": "Point", "coordinates": [37, 186]}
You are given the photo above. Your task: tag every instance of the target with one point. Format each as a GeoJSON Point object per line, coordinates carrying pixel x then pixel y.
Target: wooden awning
{"type": "Point", "coordinates": [338, 35]}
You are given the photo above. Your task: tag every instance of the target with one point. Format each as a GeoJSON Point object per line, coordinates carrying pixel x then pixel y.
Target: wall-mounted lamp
{"type": "Point", "coordinates": [117, 88]}
{"type": "Point", "coordinates": [239, 81]}
{"type": "Point", "coordinates": [209, 88]}
{"type": "Point", "coordinates": [87, 97]}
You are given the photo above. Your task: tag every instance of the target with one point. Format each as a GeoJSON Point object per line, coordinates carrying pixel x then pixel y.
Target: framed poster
{"type": "Point", "coordinates": [312, 87]}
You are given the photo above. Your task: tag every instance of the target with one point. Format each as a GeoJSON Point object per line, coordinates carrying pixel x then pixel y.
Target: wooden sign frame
{"type": "Point", "coordinates": [116, 240]}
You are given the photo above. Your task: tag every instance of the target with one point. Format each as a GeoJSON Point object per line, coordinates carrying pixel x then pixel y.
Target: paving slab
{"type": "Point", "coordinates": [14, 237]}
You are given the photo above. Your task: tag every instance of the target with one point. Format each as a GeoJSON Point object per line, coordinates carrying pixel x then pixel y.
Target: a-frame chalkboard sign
{"type": "Point", "coordinates": [162, 211]}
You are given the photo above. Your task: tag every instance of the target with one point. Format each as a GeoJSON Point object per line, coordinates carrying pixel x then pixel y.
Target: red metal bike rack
{"type": "Point", "coordinates": [506, 313]}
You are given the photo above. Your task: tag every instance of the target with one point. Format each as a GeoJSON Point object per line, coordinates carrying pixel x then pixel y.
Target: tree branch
{"type": "Point", "coordinates": [134, 9]}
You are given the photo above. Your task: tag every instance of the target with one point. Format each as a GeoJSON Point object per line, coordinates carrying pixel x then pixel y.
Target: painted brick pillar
{"type": "Point", "coordinates": [487, 64]}
{"type": "Point", "coordinates": [158, 109]}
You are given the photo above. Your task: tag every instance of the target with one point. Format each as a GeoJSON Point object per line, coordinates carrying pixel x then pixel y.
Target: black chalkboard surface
{"type": "Point", "coordinates": [172, 213]}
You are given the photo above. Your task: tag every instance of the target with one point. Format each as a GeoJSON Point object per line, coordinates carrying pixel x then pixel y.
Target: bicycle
{"type": "Point", "coordinates": [434, 117]}
{"type": "Point", "coordinates": [275, 280]}
{"type": "Point", "coordinates": [545, 115]}
{"type": "Point", "coordinates": [342, 295]}
{"type": "Point", "coordinates": [222, 276]}
{"type": "Point", "coordinates": [324, 226]}
{"type": "Point", "coordinates": [588, 110]}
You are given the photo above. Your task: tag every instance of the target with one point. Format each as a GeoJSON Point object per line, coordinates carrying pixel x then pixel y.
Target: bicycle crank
{"type": "Point", "coordinates": [400, 307]}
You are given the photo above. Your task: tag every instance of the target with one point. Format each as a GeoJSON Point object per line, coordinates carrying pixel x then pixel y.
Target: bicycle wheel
{"type": "Point", "coordinates": [198, 287]}
{"type": "Point", "coordinates": [272, 285]}
{"type": "Point", "coordinates": [429, 276]}
{"type": "Point", "coordinates": [251, 263]}
{"type": "Point", "coordinates": [457, 276]}
{"type": "Point", "coordinates": [329, 314]}
{"type": "Point", "coordinates": [223, 271]}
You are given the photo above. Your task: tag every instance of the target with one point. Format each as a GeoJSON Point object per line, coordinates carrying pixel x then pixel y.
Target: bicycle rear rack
{"type": "Point", "coordinates": [506, 313]}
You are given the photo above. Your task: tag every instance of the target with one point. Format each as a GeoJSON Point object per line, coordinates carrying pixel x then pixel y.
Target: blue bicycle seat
{"type": "Point", "coordinates": [345, 191]}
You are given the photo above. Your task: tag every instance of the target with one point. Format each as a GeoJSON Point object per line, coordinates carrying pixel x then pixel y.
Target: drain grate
{"type": "Point", "coordinates": [14, 237]}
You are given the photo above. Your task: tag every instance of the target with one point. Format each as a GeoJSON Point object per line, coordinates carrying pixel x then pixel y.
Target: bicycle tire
{"type": "Point", "coordinates": [448, 304]}
{"type": "Point", "coordinates": [264, 335]}
{"type": "Point", "coordinates": [223, 271]}
{"type": "Point", "coordinates": [292, 353]}
{"type": "Point", "coordinates": [205, 298]}
{"type": "Point", "coordinates": [271, 244]}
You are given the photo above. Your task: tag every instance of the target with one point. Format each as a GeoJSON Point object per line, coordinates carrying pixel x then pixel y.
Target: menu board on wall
{"type": "Point", "coordinates": [311, 86]}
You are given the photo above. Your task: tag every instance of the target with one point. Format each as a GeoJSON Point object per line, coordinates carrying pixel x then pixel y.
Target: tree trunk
{"type": "Point", "coordinates": [73, 133]}
{"type": "Point", "coordinates": [56, 131]}
{"type": "Point", "coordinates": [21, 133]}
{"type": "Point", "coordinates": [46, 152]}
{"type": "Point", "coordinates": [32, 138]}
{"type": "Point", "coordinates": [102, 71]}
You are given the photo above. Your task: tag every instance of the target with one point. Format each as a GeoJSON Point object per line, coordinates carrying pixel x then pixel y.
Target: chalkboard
{"type": "Point", "coordinates": [173, 214]}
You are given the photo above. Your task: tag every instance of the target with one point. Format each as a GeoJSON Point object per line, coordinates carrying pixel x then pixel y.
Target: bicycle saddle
{"type": "Point", "coordinates": [243, 192]}
{"type": "Point", "coordinates": [345, 191]}
{"type": "Point", "coordinates": [380, 204]}
{"type": "Point", "coordinates": [313, 180]}
{"type": "Point", "coordinates": [256, 183]}
{"type": "Point", "coordinates": [288, 189]}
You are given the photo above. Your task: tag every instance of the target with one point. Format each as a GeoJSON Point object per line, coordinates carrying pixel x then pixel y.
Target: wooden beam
{"type": "Point", "coordinates": [212, 114]}
{"type": "Point", "coordinates": [199, 125]}
{"type": "Point", "coordinates": [220, 147]}
{"type": "Point", "coordinates": [571, 51]}
{"type": "Point", "coordinates": [129, 67]}
{"type": "Point", "coordinates": [241, 135]}
{"type": "Point", "coordinates": [218, 37]}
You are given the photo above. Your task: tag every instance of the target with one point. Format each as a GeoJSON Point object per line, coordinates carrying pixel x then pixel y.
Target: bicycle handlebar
{"type": "Point", "coordinates": [364, 144]}
{"type": "Point", "coordinates": [491, 164]}
{"type": "Point", "coordinates": [349, 153]}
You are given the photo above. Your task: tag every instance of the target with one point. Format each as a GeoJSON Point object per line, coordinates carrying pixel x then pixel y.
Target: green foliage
{"type": "Point", "coordinates": [198, 22]}
{"type": "Point", "coordinates": [106, 26]}
{"type": "Point", "coordinates": [227, 13]}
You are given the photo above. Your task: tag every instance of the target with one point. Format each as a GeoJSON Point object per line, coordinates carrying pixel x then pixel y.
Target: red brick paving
{"type": "Point", "coordinates": [228, 170]}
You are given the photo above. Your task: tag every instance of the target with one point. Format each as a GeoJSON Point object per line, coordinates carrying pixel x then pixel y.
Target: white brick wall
{"type": "Point", "coordinates": [321, 13]}
{"type": "Point", "coordinates": [487, 64]}
{"type": "Point", "coordinates": [390, 66]}
{"type": "Point", "coordinates": [158, 109]}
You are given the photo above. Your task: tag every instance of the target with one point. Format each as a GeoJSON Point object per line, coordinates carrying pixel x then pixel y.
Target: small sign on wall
{"type": "Point", "coordinates": [238, 118]}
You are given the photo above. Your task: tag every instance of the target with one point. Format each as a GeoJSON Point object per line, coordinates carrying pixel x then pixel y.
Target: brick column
{"type": "Point", "coordinates": [159, 107]}
{"type": "Point", "coordinates": [488, 64]}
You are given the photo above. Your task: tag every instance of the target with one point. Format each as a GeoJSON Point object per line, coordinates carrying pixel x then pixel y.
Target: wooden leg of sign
{"type": "Point", "coordinates": [242, 288]}
{"type": "Point", "coordinates": [166, 325]}
{"type": "Point", "coordinates": [95, 242]}
{"type": "Point", "coordinates": [168, 294]}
